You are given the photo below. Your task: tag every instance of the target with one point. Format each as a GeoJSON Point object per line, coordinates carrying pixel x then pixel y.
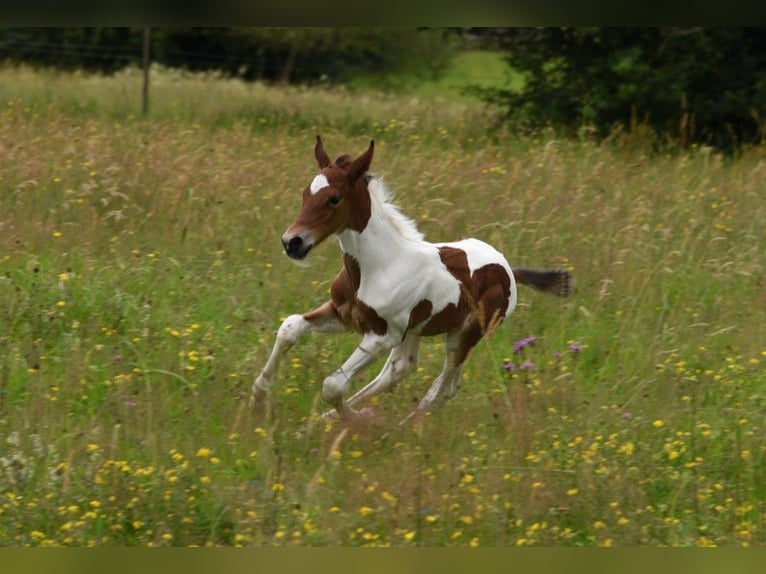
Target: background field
{"type": "Point", "coordinates": [142, 281]}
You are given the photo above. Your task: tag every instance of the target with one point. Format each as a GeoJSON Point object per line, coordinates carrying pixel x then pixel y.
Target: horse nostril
{"type": "Point", "coordinates": [294, 245]}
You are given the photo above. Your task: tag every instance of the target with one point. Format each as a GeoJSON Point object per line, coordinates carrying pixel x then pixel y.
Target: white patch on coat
{"type": "Point", "coordinates": [480, 254]}
{"type": "Point", "coordinates": [397, 273]}
{"type": "Point", "coordinates": [318, 184]}
{"type": "Point", "coordinates": [399, 268]}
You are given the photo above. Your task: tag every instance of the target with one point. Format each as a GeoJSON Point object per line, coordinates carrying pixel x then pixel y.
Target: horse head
{"type": "Point", "coordinates": [336, 199]}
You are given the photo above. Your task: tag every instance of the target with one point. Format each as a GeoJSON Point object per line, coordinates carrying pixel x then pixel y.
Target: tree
{"type": "Point", "coordinates": [103, 50]}
{"type": "Point", "coordinates": [286, 55]}
{"type": "Point", "coordinates": [692, 85]}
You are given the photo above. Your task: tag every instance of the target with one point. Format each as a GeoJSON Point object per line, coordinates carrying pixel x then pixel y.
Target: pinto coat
{"type": "Point", "coordinates": [394, 287]}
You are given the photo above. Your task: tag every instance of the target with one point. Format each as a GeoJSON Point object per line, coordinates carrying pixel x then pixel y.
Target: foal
{"type": "Point", "coordinates": [394, 287]}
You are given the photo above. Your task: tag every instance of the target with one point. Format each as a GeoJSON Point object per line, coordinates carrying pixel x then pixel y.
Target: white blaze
{"type": "Point", "coordinates": [319, 183]}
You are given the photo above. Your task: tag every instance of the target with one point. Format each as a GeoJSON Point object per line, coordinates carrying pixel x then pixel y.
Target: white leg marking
{"type": "Point", "coordinates": [334, 387]}
{"type": "Point", "coordinates": [289, 332]}
{"type": "Point", "coordinates": [401, 362]}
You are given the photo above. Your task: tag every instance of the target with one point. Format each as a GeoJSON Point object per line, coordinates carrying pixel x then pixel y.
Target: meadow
{"type": "Point", "coordinates": [142, 281]}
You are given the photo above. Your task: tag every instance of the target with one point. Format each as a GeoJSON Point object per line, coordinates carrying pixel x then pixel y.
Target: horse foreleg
{"type": "Point", "coordinates": [334, 386]}
{"type": "Point", "coordinates": [401, 362]}
{"type": "Point", "coordinates": [322, 319]}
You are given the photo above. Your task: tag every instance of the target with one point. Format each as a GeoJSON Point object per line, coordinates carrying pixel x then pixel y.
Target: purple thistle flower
{"type": "Point", "coordinates": [525, 342]}
{"type": "Point", "coordinates": [528, 365]}
{"type": "Point", "coordinates": [576, 347]}
{"type": "Point", "coordinates": [557, 355]}
{"type": "Point", "coordinates": [509, 366]}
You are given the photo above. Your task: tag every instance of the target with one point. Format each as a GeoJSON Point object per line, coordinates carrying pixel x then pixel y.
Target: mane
{"type": "Point", "coordinates": [382, 198]}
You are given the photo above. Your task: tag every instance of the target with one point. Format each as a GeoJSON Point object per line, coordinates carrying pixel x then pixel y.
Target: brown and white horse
{"type": "Point", "coordinates": [394, 287]}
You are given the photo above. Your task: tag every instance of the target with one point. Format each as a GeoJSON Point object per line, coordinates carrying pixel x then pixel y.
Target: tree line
{"type": "Point", "coordinates": [688, 85]}
{"type": "Point", "coordinates": [289, 55]}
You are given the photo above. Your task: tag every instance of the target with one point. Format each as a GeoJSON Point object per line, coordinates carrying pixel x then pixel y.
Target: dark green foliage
{"type": "Point", "coordinates": [98, 49]}
{"type": "Point", "coordinates": [289, 55]}
{"type": "Point", "coordinates": [691, 85]}
{"type": "Point", "coordinates": [300, 55]}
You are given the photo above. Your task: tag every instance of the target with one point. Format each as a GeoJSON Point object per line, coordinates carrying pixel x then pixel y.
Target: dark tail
{"type": "Point", "coordinates": [556, 281]}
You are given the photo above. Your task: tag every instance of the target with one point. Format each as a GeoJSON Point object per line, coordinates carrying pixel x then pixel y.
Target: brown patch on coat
{"type": "Point", "coordinates": [420, 312]}
{"type": "Point", "coordinates": [354, 313]}
{"type": "Point", "coordinates": [452, 316]}
{"type": "Point", "coordinates": [492, 288]}
{"type": "Point", "coordinates": [482, 306]}
{"type": "Point", "coordinates": [322, 313]}
{"type": "Point", "coordinates": [362, 208]}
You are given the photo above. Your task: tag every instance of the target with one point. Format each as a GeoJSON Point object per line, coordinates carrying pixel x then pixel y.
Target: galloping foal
{"type": "Point", "coordinates": [394, 287]}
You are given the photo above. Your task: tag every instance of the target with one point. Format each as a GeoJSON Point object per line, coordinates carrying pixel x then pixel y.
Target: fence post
{"type": "Point", "coordinates": [145, 66]}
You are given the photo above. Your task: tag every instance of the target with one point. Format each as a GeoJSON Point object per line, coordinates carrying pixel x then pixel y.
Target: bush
{"type": "Point", "coordinates": [689, 85]}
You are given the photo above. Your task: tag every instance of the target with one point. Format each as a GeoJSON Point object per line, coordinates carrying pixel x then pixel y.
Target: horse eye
{"type": "Point", "coordinates": [334, 201]}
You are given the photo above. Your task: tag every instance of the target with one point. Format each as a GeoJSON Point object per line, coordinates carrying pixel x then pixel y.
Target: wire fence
{"type": "Point", "coordinates": [235, 53]}
{"type": "Point", "coordinates": [220, 50]}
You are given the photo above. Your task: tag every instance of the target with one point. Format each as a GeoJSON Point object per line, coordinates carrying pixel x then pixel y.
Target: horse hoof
{"type": "Point", "coordinates": [354, 416]}
{"type": "Point", "coordinates": [258, 403]}
{"type": "Point", "coordinates": [366, 413]}
{"type": "Point", "coordinates": [411, 419]}
{"type": "Point", "coordinates": [331, 415]}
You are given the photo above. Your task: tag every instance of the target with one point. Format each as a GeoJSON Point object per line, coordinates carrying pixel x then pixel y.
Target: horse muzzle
{"type": "Point", "coordinates": [296, 246]}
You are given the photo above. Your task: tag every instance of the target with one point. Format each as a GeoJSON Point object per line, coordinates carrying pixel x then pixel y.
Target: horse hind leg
{"type": "Point", "coordinates": [446, 385]}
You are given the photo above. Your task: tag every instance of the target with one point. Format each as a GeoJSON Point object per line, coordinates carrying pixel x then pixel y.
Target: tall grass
{"type": "Point", "coordinates": [142, 281]}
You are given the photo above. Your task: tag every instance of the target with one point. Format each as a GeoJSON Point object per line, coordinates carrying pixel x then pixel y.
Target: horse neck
{"type": "Point", "coordinates": [376, 246]}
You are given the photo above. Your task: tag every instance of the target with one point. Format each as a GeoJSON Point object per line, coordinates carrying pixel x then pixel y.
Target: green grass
{"type": "Point", "coordinates": [142, 282]}
{"type": "Point", "coordinates": [468, 68]}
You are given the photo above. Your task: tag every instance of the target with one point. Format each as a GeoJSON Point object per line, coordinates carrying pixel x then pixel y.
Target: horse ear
{"type": "Point", "coordinates": [362, 163]}
{"type": "Point", "coordinates": [322, 158]}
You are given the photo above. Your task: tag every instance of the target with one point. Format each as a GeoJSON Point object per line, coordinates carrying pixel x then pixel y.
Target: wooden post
{"type": "Point", "coordinates": [145, 66]}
